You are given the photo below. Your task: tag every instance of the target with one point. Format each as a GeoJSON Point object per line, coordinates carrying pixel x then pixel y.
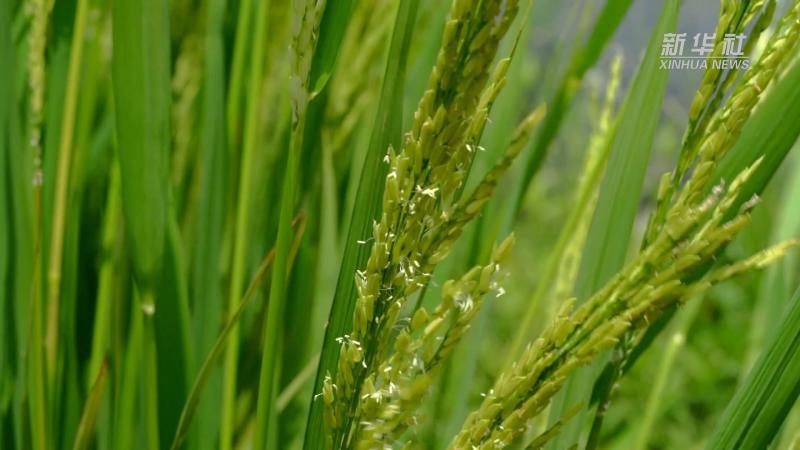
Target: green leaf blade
{"type": "Point", "coordinates": [759, 406]}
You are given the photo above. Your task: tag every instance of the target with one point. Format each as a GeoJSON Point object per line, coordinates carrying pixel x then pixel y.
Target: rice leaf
{"type": "Point", "coordinates": [760, 405]}
{"type": "Point", "coordinates": [83, 438]}
{"type": "Point", "coordinates": [386, 132]}
{"type": "Point", "coordinates": [141, 64]}
{"type": "Point", "coordinates": [6, 211]}
{"type": "Point", "coordinates": [610, 230]}
{"type": "Point", "coordinates": [207, 283]}
{"type": "Point", "coordinates": [775, 285]}
{"type": "Point", "coordinates": [6, 350]}
{"type": "Point", "coordinates": [172, 327]}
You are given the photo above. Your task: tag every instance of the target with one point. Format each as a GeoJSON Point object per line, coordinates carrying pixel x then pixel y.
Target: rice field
{"type": "Point", "coordinates": [399, 224]}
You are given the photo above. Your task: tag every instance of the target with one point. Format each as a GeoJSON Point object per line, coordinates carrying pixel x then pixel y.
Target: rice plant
{"type": "Point", "coordinates": [399, 224]}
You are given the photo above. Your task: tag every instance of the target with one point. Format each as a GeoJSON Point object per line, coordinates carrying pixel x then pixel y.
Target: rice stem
{"type": "Point", "coordinates": [62, 182]}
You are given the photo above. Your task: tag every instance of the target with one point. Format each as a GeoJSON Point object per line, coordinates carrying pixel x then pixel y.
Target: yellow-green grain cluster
{"type": "Point", "coordinates": [306, 17]}
{"type": "Point", "coordinates": [421, 217]}
{"type": "Point", "coordinates": [392, 394]}
{"type": "Point", "coordinates": [726, 124]}
{"type": "Point", "coordinates": [39, 11]}
{"type": "Point", "coordinates": [725, 127]}
{"type": "Point", "coordinates": [661, 275]}
{"type": "Point", "coordinates": [186, 84]}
